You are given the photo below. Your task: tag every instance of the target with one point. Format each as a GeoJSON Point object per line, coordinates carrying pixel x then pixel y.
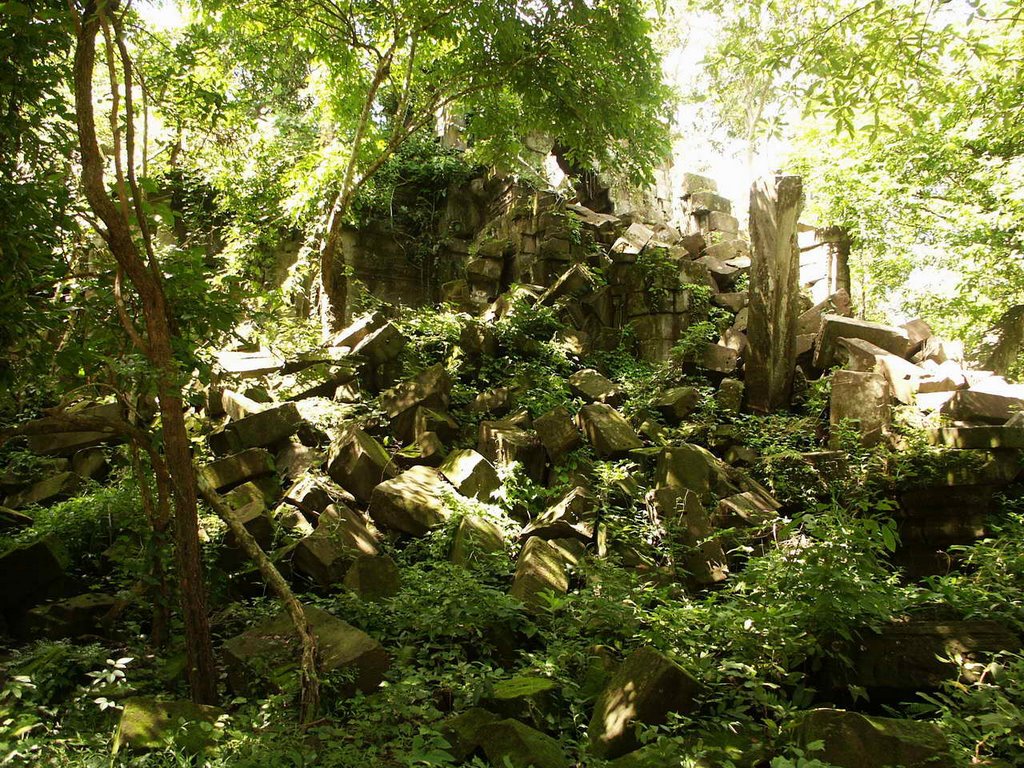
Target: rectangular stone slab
{"type": "Point", "coordinates": [977, 437]}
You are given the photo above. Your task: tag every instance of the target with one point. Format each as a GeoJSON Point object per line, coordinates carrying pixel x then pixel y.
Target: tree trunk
{"type": "Point", "coordinates": [146, 281]}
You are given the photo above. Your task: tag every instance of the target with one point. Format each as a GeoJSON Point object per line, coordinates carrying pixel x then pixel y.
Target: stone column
{"type": "Point", "coordinates": [775, 203]}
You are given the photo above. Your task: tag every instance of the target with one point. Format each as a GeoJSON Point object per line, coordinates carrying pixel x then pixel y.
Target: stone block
{"type": "Point", "coordinates": [694, 182]}
{"type": "Point", "coordinates": [863, 398]}
{"type": "Point", "coordinates": [907, 657]}
{"type": "Point", "coordinates": [853, 740]}
{"type": "Point", "coordinates": [576, 282]}
{"type": "Point", "coordinates": [149, 724]}
{"type": "Point", "coordinates": [572, 516]}
{"type": "Point", "coordinates": [645, 690]}
{"type": "Point", "coordinates": [977, 437]}
{"type": "Point", "coordinates": [557, 433]}
{"type": "Point", "coordinates": [677, 403]}
{"type": "Point", "coordinates": [358, 463]}
{"type": "Point", "coordinates": [431, 388]}
{"type": "Point", "coordinates": [325, 555]}
{"type": "Point", "coordinates": [608, 431]}
{"type": "Point", "coordinates": [516, 745]}
{"type": "Point", "coordinates": [541, 568]}
{"type": "Point", "coordinates": [982, 407]}
{"type": "Point", "coordinates": [46, 492]}
{"type": "Point", "coordinates": [264, 428]}
{"type": "Point", "coordinates": [475, 539]}
{"type": "Point", "coordinates": [834, 327]}
{"type": "Point", "coordinates": [381, 346]}
{"type": "Point", "coordinates": [706, 201]}
{"type": "Point", "coordinates": [226, 473]}
{"type": "Point", "coordinates": [471, 474]}
{"type": "Point", "coordinates": [30, 573]}
{"type": "Point", "coordinates": [596, 388]}
{"type": "Point", "coordinates": [734, 302]}
{"type": "Point", "coordinates": [633, 240]}
{"type": "Point", "coordinates": [503, 442]}
{"type": "Point", "coordinates": [267, 655]}
{"type": "Point", "coordinates": [71, 617]}
{"type": "Point", "coordinates": [373, 578]}
{"type": "Point", "coordinates": [410, 503]}
{"type": "Point", "coordinates": [688, 522]}
{"type": "Point", "coordinates": [716, 221]}
{"type": "Point", "coordinates": [729, 396]}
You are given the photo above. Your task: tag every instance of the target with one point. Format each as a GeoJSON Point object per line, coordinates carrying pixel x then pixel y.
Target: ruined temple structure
{"type": "Point", "coordinates": [342, 493]}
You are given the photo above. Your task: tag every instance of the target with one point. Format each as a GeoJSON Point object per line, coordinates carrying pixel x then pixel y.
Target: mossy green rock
{"type": "Point", "coordinates": [267, 655]}
{"type": "Point", "coordinates": [853, 740]}
{"type": "Point", "coordinates": [374, 578]}
{"type": "Point", "coordinates": [475, 539]}
{"type": "Point", "coordinates": [150, 724]}
{"type": "Point", "coordinates": [466, 732]}
{"type": "Point", "coordinates": [645, 689]}
{"type": "Point", "coordinates": [521, 697]}
{"type": "Point", "coordinates": [513, 744]}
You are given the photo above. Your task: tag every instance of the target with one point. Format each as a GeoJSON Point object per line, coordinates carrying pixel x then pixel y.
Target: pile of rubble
{"type": "Point", "coordinates": [345, 494]}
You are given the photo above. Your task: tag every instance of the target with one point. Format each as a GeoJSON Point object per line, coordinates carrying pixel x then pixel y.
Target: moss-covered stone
{"type": "Point", "coordinates": [267, 655]}
{"type": "Point", "coordinates": [645, 689]}
{"type": "Point", "coordinates": [466, 732]}
{"type": "Point", "coordinates": [853, 740]}
{"type": "Point", "coordinates": [475, 539]}
{"type": "Point", "coordinates": [522, 697]}
{"type": "Point", "coordinates": [373, 578]}
{"type": "Point", "coordinates": [513, 744]}
{"type": "Point", "coordinates": [150, 724]}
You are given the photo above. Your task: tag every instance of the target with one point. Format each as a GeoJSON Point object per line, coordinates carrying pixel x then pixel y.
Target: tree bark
{"type": "Point", "coordinates": [308, 667]}
{"type": "Point", "coordinates": [146, 280]}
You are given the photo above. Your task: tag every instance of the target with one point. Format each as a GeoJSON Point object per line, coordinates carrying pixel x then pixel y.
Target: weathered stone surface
{"type": "Point", "coordinates": [608, 431]}
{"type": "Point", "coordinates": [633, 240]}
{"type": "Point", "coordinates": [381, 345]}
{"type": "Point", "coordinates": [467, 732]}
{"type": "Point", "coordinates": [853, 740]}
{"type": "Point", "coordinates": [715, 358]}
{"type": "Point", "coordinates": [90, 463]}
{"type": "Point", "coordinates": [358, 463]}
{"type": "Point", "coordinates": [864, 399]}
{"type": "Point", "coordinates": [475, 539]}
{"type": "Point", "coordinates": [731, 301]}
{"type": "Point", "coordinates": [524, 696]}
{"type": "Point", "coordinates": [325, 555]}
{"type": "Point", "coordinates": [833, 327]}
{"type": "Point", "coordinates": [471, 474]}
{"type": "Point", "coordinates": [57, 442]}
{"type": "Point", "coordinates": [431, 388]}
{"type": "Point", "coordinates": [692, 468]}
{"type": "Point", "coordinates": [511, 743]}
{"type": "Point", "coordinates": [226, 473]}
{"type": "Point", "coordinates": [478, 340]}
{"type": "Point", "coordinates": [690, 524]}
{"type": "Point", "coordinates": [730, 395]}
{"type": "Point", "coordinates": [12, 520]}
{"type": "Point", "coordinates": [261, 429]}
{"type": "Point", "coordinates": [71, 617]}
{"type": "Point", "coordinates": [705, 201]}
{"type": "Point", "coordinates": [677, 403]}
{"type": "Point", "coordinates": [246, 364]}
{"type": "Point", "coordinates": [264, 491]}
{"type": "Point", "coordinates": [540, 568]}
{"type": "Point", "coordinates": [747, 510]}
{"type": "Point", "coordinates": [716, 221]}
{"type": "Point", "coordinates": [237, 406]}
{"type": "Point", "coordinates": [914, 656]}
{"type": "Point", "coordinates": [30, 574]}
{"type": "Point", "coordinates": [147, 724]}
{"type": "Point", "coordinates": [356, 331]}
{"type": "Point", "coordinates": [575, 282]}
{"type": "Point", "coordinates": [503, 443]}
{"type": "Point", "coordinates": [596, 388]}
{"type": "Point", "coordinates": [267, 655]}
{"type": "Point", "coordinates": [809, 321]}
{"type": "Point", "coordinates": [982, 407]}
{"type": "Point", "coordinates": [497, 401]}
{"type": "Point", "coordinates": [256, 520]}
{"type": "Point", "coordinates": [694, 182]}
{"type": "Point", "coordinates": [645, 689]}
{"type": "Point", "coordinates": [410, 503]}
{"type": "Point", "coordinates": [373, 578]}
{"type": "Point", "coordinates": [46, 492]}
{"type": "Point", "coordinates": [775, 204]}
{"type": "Point", "coordinates": [572, 516]}
{"type": "Point", "coordinates": [977, 437]}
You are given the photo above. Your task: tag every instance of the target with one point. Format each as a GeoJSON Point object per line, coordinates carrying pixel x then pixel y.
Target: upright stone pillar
{"type": "Point", "coordinates": [775, 203]}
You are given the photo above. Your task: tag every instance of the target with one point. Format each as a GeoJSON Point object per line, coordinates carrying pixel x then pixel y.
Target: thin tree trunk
{"type": "Point", "coordinates": [308, 668]}
{"type": "Point", "coordinates": [118, 235]}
